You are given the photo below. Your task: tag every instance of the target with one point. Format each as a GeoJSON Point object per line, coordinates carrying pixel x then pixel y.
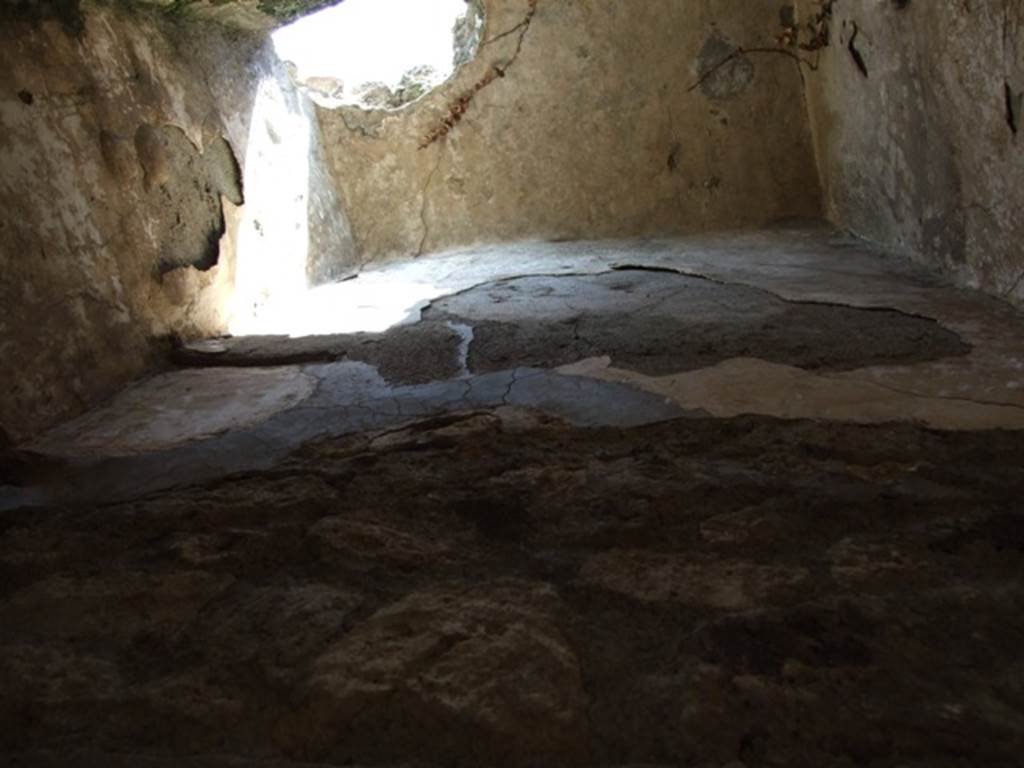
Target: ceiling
{"type": "Point", "coordinates": [250, 14]}
{"type": "Point", "coordinates": [246, 14]}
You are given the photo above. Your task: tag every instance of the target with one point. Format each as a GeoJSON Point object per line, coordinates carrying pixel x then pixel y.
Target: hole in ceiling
{"type": "Point", "coordinates": [380, 54]}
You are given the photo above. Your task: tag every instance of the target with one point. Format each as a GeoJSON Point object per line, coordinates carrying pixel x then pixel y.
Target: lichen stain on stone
{"type": "Point", "coordinates": [728, 80]}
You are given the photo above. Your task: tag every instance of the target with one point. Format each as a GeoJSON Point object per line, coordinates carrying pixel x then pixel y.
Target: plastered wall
{"type": "Point", "coordinates": [123, 153]}
{"type": "Point", "coordinates": [923, 149]}
{"type": "Point", "coordinates": [595, 130]}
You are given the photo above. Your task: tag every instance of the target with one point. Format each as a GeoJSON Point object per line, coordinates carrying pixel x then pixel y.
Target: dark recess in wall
{"type": "Point", "coordinates": [855, 53]}
{"type": "Point", "coordinates": [65, 11]}
{"type": "Point", "coordinates": [211, 254]}
{"type": "Point", "coordinates": [184, 185]}
{"type": "Point", "coordinates": [673, 157]}
{"type": "Point", "coordinates": [1013, 107]}
{"type": "Point", "coordinates": [225, 170]}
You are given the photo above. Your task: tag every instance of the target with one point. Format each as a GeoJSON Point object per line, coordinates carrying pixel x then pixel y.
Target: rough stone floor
{"type": "Point", "coordinates": [746, 500]}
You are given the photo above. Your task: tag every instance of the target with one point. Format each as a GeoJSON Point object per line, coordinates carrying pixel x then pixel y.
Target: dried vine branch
{"type": "Point", "coordinates": [819, 30]}
{"type": "Point", "coordinates": [509, 32]}
{"type": "Point", "coordinates": [812, 65]}
{"type": "Point", "coordinates": [460, 106]}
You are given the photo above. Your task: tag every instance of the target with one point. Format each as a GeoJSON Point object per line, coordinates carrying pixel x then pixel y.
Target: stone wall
{"type": "Point", "coordinates": [132, 168]}
{"type": "Point", "coordinates": [922, 147]}
{"type": "Point", "coordinates": [123, 172]}
{"type": "Point", "coordinates": [595, 130]}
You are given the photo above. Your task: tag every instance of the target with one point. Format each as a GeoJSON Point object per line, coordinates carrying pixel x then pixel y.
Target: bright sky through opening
{"type": "Point", "coordinates": [357, 42]}
{"type": "Point", "coordinates": [370, 41]}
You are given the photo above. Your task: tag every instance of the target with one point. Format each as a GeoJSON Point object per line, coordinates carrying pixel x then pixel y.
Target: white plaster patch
{"type": "Point", "coordinates": [175, 408]}
{"type": "Point", "coordinates": [750, 386]}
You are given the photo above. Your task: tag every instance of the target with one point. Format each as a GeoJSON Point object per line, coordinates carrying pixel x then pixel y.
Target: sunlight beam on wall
{"type": "Point", "coordinates": [377, 41]}
{"type": "Point", "coordinates": [273, 241]}
{"type": "Point", "coordinates": [272, 292]}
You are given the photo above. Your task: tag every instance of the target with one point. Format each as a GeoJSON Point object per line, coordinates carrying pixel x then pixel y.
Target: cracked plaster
{"type": "Point", "coordinates": [983, 389]}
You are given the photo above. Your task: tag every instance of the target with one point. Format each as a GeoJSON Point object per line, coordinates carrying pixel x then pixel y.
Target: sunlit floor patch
{"type": "Point", "coordinates": [368, 304]}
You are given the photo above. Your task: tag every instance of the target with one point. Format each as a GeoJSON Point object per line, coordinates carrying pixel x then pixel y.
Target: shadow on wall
{"type": "Point", "coordinates": [183, 185]}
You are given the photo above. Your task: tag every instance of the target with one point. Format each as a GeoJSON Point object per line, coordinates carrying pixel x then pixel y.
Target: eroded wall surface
{"type": "Point", "coordinates": [917, 111]}
{"type": "Point", "coordinates": [597, 129]}
{"type": "Point", "coordinates": [123, 167]}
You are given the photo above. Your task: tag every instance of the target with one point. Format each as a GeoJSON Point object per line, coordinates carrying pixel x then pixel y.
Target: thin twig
{"type": "Point", "coordinates": [506, 33]}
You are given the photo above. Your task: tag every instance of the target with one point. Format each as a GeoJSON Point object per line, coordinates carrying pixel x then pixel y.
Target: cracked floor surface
{"type": "Point", "coordinates": [732, 501]}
